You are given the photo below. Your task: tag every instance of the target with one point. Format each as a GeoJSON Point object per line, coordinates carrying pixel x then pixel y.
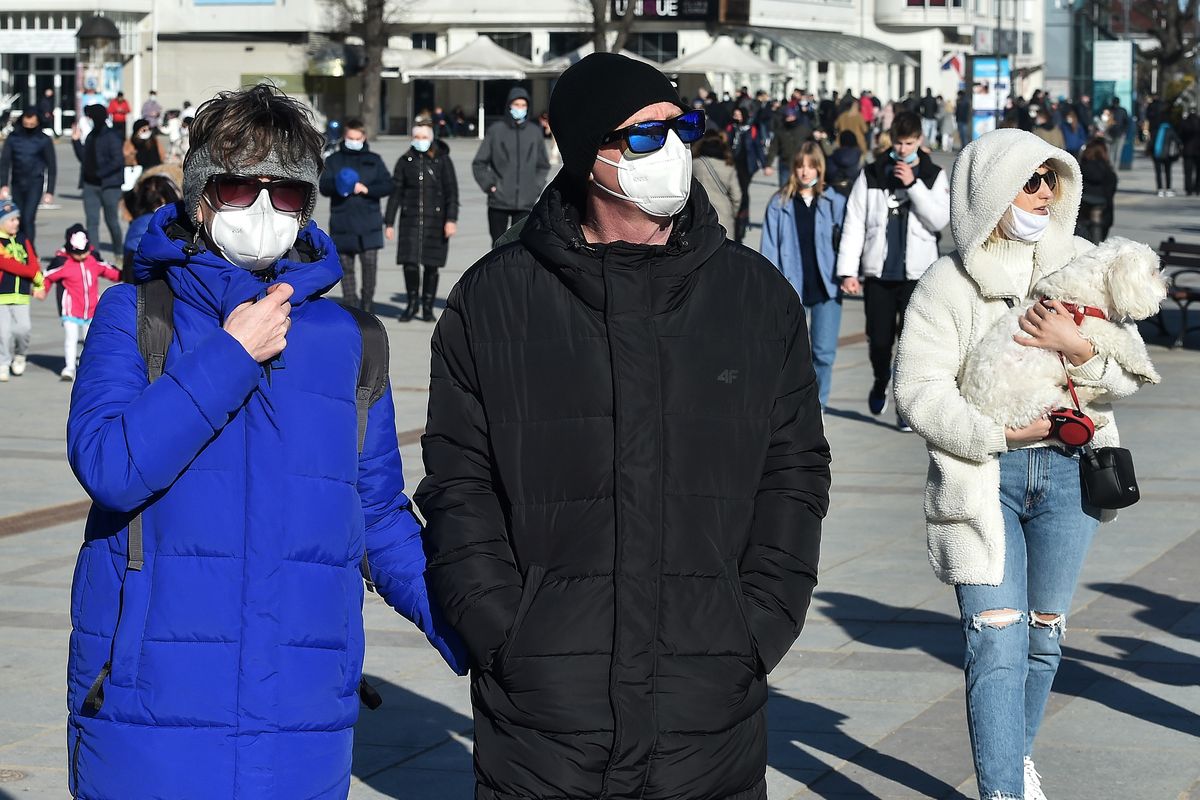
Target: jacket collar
{"type": "Point", "coordinates": [554, 236]}
{"type": "Point", "coordinates": [212, 285]}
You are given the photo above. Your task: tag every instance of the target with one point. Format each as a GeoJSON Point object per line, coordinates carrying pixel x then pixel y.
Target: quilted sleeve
{"type": "Point", "coordinates": [394, 553]}
{"type": "Point", "coordinates": [128, 439]}
{"type": "Point", "coordinates": [472, 572]}
{"type": "Point", "coordinates": [778, 569]}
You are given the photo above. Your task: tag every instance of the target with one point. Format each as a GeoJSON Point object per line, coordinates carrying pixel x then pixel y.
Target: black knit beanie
{"type": "Point", "coordinates": [593, 97]}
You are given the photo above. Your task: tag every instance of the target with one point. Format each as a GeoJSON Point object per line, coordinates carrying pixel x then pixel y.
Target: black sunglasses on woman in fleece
{"type": "Point", "coordinates": [1034, 183]}
{"type": "Point", "coordinates": [646, 137]}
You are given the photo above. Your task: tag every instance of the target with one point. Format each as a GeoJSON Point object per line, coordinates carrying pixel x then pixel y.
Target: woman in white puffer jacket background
{"type": "Point", "coordinates": [1006, 522]}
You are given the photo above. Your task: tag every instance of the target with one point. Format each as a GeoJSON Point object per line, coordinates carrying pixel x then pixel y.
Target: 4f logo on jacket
{"type": "Point", "coordinates": [728, 376]}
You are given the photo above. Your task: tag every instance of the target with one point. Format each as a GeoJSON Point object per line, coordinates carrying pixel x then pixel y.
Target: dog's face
{"type": "Point", "coordinates": [1121, 277]}
{"type": "Point", "coordinates": [1134, 283]}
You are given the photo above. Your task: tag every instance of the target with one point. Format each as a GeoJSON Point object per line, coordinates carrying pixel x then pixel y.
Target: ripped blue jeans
{"type": "Point", "coordinates": [1011, 658]}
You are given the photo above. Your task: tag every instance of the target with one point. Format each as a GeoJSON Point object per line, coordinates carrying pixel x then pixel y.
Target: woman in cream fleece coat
{"type": "Point", "coordinates": [1006, 523]}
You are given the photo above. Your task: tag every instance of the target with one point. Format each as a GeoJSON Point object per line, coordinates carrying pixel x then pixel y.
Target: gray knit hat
{"type": "Point", "coordinates": [200, 166]}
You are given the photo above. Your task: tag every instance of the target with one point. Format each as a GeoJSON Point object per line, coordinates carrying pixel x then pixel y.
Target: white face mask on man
{"type": "Point", "coordinates": [1023, 226]}
{"type": "Point", "coordinates": [658, 183]}
{"type": "Point", "coordinates": [252, 238]}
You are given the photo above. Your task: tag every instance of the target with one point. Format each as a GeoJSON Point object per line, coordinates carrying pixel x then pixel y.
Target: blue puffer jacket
{"type": "Point", "coordinates": [237, 651]}
{"type": "Point", "coordinates": [781, 243]}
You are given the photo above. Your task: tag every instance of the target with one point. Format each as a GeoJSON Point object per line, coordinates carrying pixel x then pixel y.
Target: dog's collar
{"type": "Point", "coordinates": [1080, 312]}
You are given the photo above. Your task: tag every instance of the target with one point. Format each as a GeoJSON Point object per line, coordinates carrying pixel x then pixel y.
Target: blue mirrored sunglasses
{"type": "Point", "coordinates": [646, 137]}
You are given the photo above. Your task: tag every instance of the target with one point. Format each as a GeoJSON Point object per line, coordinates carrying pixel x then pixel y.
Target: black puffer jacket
{"type": "Point", "coordinates": [626, 479]}
{"type": "Point", "coordinates": [425, 193]}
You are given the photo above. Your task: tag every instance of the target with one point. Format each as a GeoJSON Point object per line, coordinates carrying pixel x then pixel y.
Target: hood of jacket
{"type": "Point", "coordinates": [553, 235]}
{"type": "Point", "coordinates": [213, 285]}
{"type": "Point", "coordinates": [986, 177]}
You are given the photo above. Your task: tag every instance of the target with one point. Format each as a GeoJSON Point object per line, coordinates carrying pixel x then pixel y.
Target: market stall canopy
{"type": "Point", "coordinates": [481, 60]}
{"type": "Point", "coordinates": [836, 48]}
{"type": "Point", "coordinates": [397, 59]}
{"type": "Point", "coordinates": [723, 57]}
{"type": "Point", "coordinates": [575, 56]}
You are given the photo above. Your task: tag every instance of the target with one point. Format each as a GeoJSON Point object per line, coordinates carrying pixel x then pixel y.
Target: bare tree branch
{"type": "Point", "coordinates": [601, 26]}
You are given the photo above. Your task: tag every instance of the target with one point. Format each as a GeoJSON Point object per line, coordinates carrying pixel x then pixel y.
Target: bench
{"type": "Point", "coordinates": [1181, 268]}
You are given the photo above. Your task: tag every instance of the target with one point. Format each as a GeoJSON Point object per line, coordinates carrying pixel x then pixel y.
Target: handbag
{"type": "Point", "coordinates": [1106, 475]}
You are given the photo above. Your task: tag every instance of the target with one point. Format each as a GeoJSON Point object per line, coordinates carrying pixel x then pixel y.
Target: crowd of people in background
{"type": "Point", "coordinates": [131, 165]}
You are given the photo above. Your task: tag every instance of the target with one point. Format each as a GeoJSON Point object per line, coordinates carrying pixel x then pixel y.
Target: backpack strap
{"type": "Point", "coordinates": [372, 383]}
{"type": "Point", "coordinates": [155, 328]}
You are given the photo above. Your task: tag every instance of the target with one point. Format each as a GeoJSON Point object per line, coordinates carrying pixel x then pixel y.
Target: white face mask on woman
{"type": "Point", "coordinates": [1023, 226]}
{"type": "Point", "coordinates": [658, 183]}
{"type": "Point", "coordinates": [252, 238]}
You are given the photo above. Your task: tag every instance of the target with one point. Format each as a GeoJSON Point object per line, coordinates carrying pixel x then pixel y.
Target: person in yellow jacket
{"type": "Point", "coordinates": [19, 276]}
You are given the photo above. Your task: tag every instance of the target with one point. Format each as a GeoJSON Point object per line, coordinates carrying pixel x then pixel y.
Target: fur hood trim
{"type": "Point", "coordinates": [986, 177]}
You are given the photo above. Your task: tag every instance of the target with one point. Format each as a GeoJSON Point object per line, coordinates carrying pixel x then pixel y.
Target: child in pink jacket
{"type": "Point", "coordinates": [77, 268]}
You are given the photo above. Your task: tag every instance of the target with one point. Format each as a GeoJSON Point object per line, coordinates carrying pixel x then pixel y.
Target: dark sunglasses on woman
{"type": "Point", "coordinates": [646, 137]}
{"type": "Point", "coordinates": [234, 191]}
{"type": "Point", "coordinates": [1034, 183]}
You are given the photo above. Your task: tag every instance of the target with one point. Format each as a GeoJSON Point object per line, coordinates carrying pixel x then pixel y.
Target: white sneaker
{"type": "Point", "coordinates": [4, 374]}
{"type": "Point", "coordinates": [68, 374]}
{"type": "Point", "coordinates": [1168, 193]}
{"type": "Point", "coordinates": [18, 365]}
{"type": "Point", "coordinates": [1033, 782]}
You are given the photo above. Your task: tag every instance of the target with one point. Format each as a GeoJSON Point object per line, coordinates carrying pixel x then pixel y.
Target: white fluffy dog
{"type": "Point", "coordinates": [1015, 384]}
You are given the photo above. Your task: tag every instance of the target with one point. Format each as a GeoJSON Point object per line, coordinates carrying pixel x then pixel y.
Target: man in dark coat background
{"type": "Point", "coordinates": [626, 471]}
{"type": "Point", "coordinates": [425, 195]}
{"type": "Point", "coordinates": [28, 170]}
{"type": "Point", "coordinates": [355, 179]}
{"type": "Point", "coordinates": [102, 170]}
{"type": "Point", "coordinates": [511, 165]}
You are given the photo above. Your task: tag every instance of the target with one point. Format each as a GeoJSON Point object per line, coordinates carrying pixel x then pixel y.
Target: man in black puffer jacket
{"type": "Point", "coordinates": [627, 471]}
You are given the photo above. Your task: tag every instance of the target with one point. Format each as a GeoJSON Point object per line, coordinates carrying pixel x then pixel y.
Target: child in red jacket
{"type": "Point", "coordinates": [19, 275]}
{"type": "Point", "coordinates": [76, 268]}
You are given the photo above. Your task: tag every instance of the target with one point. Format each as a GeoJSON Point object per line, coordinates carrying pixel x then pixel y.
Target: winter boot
{"type": "Point", "coordinates": [412, 285]}
{"type": "Point", "coordinates": [430, 293]}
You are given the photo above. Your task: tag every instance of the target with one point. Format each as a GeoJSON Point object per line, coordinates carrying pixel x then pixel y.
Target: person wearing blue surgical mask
{"type": "Point", "coordinates": [895, 212]}
{"type": "Point", "coordinates": [511, 165]}
{"type": "Point", "coordinates": [356, 179]}
{"type": "Point", "coordinates": [426, 198]}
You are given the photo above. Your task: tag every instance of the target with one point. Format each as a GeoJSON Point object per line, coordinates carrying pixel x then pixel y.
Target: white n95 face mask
{"type": "Point", "coordinates": [658, 183]}
{"type": "Point", "coordinates": [252, 238]}
{"type": "Point", "coordinates": [1023, 225]}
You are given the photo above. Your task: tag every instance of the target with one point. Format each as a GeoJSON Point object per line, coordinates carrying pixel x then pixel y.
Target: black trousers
{"type": "Point", "coordinates": [1162, 168]}
{"type": "Point", "coordinates": [886, 302]}
{"type": "Point", "coordinates": [413, 284]}
{"type": "Point", "coordinates": [1191, 175]}
{"type": "Point", "coordinates": [370, 264]}
{"type": "Point", "coordinates": [501, 219]}
{"type": "Point", "coordinates": [27, 196]}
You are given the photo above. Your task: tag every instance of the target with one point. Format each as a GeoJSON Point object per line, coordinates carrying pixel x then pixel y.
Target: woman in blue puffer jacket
{"type": "Point", "coordinates": [219, 654]}
{"type": "Point", "coordinates": [799, 236]}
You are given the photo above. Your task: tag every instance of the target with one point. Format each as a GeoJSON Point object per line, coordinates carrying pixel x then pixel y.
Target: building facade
{"type": "Point", "coordinates": [189, 49]}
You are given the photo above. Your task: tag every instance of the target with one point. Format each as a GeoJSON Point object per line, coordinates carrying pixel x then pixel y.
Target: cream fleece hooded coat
{"type": "Point", "coordinates": [959, 299]}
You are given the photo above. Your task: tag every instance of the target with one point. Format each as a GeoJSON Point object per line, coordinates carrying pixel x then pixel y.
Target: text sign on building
{"type": "Point", "coordinates": [666, 9]}
{"type": "Point", "coordinates": [24, 40]}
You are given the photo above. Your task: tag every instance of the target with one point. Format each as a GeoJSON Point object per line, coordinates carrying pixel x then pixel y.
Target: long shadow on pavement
{"type": "Point", "coordinates": [1075, 678]}
{"type": "Point", "coordinates": [1158, 610]}
{"type": "Point", "coordinates": [409, 730]}
{"type": "Point", "coordinates": [820, 728]}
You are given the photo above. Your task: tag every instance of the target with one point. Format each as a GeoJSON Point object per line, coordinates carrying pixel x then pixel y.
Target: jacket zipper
{"type": "Point", "coordinates": [420, 209]}
{"type": "Point", "coordinates": [517, 193]}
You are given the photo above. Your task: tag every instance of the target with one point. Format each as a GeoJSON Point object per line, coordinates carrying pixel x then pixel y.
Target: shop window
{"type": "Point", "coordinates": [562, 43]}
{"type": "Point", "coordinates": [520, 44]}
{"type": "Point", "coordinates": [655, 46]}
